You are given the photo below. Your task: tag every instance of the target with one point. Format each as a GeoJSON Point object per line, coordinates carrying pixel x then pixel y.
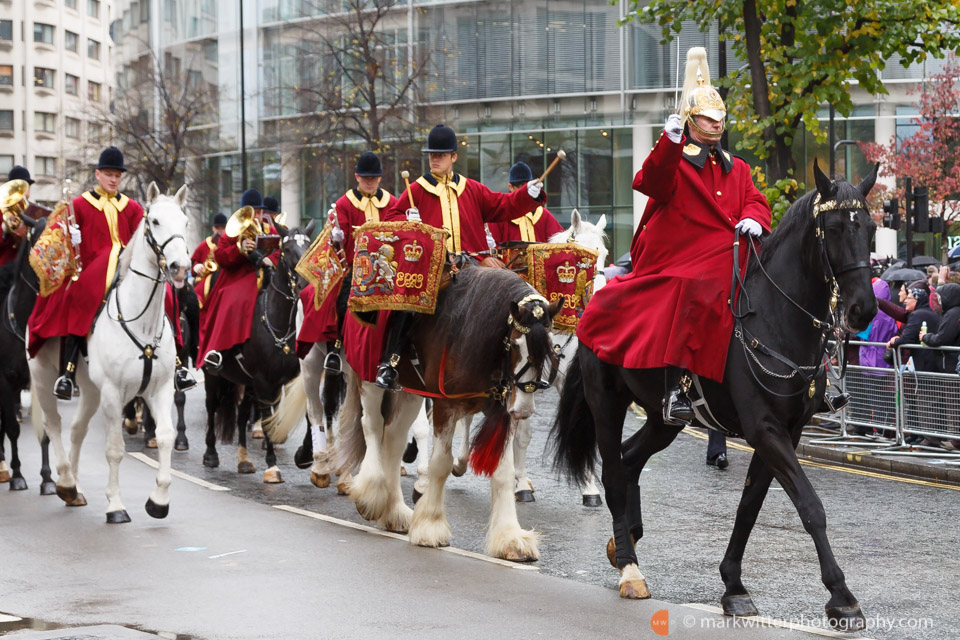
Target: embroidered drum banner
{"type": "Point", "coordinates": [322, 267]}
{"type": "Point", "coordinates": [565, 270]}
{"type": "Point", "coordinates": [52, 256]}
{"type": "Point", "coordinates": [397, 265]}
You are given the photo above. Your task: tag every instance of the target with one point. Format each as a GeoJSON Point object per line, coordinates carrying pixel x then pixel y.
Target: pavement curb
{"type": "Point", "coordinates": [946, 474]}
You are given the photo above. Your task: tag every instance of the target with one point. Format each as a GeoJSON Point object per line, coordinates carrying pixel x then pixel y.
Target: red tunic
{"type": "Point", "coordinates": [461, 206]}
{"type": "Point", "coordinates": [105, 227]}
{"type": "Point", "coordinates": [672, 310]}
{"type": "Point", "coordinates": [203, 251]}
{"type": "Point", "coordinates": [232, 301]}
{"type": "Point", "coordinates": [536, 226]}
{"type": "Point", "coordinates": [172, 308]}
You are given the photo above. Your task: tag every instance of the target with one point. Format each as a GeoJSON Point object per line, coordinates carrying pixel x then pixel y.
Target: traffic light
{"type": "Point", "coordinates": [921, 210]}
{"type": "Point", "coordinates": [891, 210]}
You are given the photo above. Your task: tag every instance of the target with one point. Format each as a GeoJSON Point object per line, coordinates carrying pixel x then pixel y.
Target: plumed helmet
{"type": "Point", "coordinates": [251, 198]}
{"type": "Point", "coordinates": [111, 158]}
{"type": "Point", "coordinates": [699, 97]}
{"type": "Point", "coordinates": [20, 173]}
{"type": "Point", "coordinates": [441, 139]}
{"type": "Point", "coordinates": [368, 165]}
{"type": "Point", "coordinates": [271, 204]}
{"type": "Point", "coordinates": [520, 173]}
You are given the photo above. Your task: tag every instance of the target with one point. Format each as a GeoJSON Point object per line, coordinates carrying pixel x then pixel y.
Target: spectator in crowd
{"type": "Point", "coordinates": [933, 274]}
{"type": "Point", "coordinates": [948, 335]}
{"type": "Point", "coordinates": [881, 329]}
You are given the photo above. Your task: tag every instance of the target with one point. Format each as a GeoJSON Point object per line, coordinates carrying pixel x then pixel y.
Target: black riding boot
{"type": "Point", "coordinates": [66, 383]}
{"type": "Point", "coordinates": [183, 380]}
{"type": "Point", "coordinates": [833, 403]}
{"type": "Point", "coordinates": [677, 410]}
{"type": "Point", "coordinates": [387, 373]}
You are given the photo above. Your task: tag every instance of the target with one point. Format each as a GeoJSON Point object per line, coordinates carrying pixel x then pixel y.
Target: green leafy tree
{"type": "Point", "coordinates": [801, 55]}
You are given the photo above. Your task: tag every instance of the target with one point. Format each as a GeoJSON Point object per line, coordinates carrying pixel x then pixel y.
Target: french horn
{"type": "Point", "coordinates": [13, 202]}
{"type": "Point", "coordinates": [243, 225]}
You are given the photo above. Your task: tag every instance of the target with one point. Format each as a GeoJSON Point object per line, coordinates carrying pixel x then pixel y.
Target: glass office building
{"type": "Point", "coordinates": [517, 79]}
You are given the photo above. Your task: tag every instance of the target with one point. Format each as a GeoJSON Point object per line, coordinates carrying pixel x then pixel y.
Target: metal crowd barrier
{"type": "Point", "coordinates": [898, 403]}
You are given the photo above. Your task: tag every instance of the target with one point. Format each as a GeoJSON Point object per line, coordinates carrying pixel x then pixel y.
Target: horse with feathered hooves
{"type": "Point", "coordinates": [485, 349]}
{"type": "Point", "coordinates": [131, 352]}
{"type": "Point", "coordinates": [254, 372]}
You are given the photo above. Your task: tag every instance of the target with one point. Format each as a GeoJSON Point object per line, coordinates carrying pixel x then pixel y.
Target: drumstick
{"type": "Point", "coordinates": [561, 154]}
{"type": "Point", "coordinates": [406, 178]}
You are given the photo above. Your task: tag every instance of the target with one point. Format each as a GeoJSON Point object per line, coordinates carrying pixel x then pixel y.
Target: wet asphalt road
{"type": "Point", "coordinates": [898, 543]}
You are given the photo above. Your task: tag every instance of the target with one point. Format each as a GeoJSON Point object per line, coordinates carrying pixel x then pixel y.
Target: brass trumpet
{"type": "Point", "coordinates": [13, 202]}
{"type": "Point", "coordinates": [243, 225]}
{"type": "Point", "coordinates": [210, 264]}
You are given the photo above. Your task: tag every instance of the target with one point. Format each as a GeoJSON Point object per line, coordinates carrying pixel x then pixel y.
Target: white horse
{"type": "Point", "coordinates": [114, 373]}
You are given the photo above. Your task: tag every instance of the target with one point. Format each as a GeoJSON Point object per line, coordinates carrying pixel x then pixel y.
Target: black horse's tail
{"type": "Point", "coordinates": [573, 438]}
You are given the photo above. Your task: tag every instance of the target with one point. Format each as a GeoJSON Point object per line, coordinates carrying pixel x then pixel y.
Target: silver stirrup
{"type": "Point", "coordinates": [213, 359]}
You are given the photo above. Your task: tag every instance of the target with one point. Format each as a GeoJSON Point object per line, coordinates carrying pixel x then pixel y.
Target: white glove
{"type": "Point", "coordinates": [747, 226]}
{"type": "Point", "coordinates": [337, 235]}
{"type": "Point", "coordinates": [198, 267]}
{"type": "Point", "coordinates": [267, 262]}
{"type": "Point", "coordinates": [673, 128]}
{"type": "Point", "coordinates": [534, 187]}
{"type": "Point", "coordinates": [413, 214]}
{"type": "Point", "coordinates": [75, 235]}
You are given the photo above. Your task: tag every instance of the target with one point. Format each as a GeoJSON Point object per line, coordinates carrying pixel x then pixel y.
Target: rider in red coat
{"type": "Point", "coordinates": [10, 243]}
{"type": "Point", "coordinates": [204, 278]}
{"type": "Point", "coordinates": [364, 203]}
{"type": "Point", "coordinates": [672, 309]}
{"type": "Point", "coordinates": [106, 219]}
{"type": "Point", "coordinates": [536, 226]}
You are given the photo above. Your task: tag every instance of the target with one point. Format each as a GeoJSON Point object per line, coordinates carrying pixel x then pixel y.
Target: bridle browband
{"type": "Point", "coordinates": [509, 378]}
{"type": "Point", "coordinates": [828, 327]}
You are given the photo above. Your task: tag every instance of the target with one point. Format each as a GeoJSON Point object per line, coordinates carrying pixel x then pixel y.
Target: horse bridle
{"type": "Point", "coordinates": [509, 378]}
{"type": "Point", "coordinates": [827, 327]}
{"type": "Point", "coordinates": [282, 342]}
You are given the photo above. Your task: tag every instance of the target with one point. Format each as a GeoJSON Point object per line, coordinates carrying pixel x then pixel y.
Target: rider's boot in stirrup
{"type": "Point", "coordinates": [66, 383]}
{"type": "Point", "coordinates": [332, 364]}
{"type": "Point", "coordinates": [677, 410]}
{"type": "Point", "coordinates": [387, 374]}
{"type": "Point", "coordinates": [834, 403]}
{"type": "Point", "coordinates": [183, 380]}
{"type": "Point", "coordinates": [214, 360]}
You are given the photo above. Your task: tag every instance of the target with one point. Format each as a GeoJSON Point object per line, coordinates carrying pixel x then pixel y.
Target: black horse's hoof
{"type": "Point", "coordinates": [524, 495]}
{"type": "Point", "coordinates": [211, 459]}
{"type": "Point", "coordinates": [416, 496]}
{"type": "Point", "coordinates": [739, 605]}
{"type": "Point", "coordinates": [847, 618]}
{"type": "Point", "coordinates": [158, 511]}
{"type": "Point", "coordinates": [592, 500]}
{"type": "Point", "coordinates": [303, 458]}
{"type": "Point", "coordinates": [181, 443]}
{"type": "Point", "coordinates": [48, 488]}
{"type": "Point", "coordinates": [411, 452]}
{"type": "Point", "coordinates": [118, 517]}
{"type": "Point", "coordinates": [17, 483]}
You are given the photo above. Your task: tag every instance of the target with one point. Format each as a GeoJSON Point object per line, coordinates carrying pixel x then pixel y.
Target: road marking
{"type": "Point", "coordinates": [773, 622]}
{"type": "Point", "coordinates": [150, 462]}
{"type": "Point", "coordinates": [834, 467]}
{"type": "Point", "coordinates": [5, 618]}
{"type": "Point", "coordinates": [398, 536]}
{"type": "Point", "coordinates": [228, 553]}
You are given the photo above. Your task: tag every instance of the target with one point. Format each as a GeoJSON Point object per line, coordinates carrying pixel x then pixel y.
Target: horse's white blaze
{"type": "Point", "coordinates": [505, 539]}
{"type": "Point", "coordinates": [521, 404]}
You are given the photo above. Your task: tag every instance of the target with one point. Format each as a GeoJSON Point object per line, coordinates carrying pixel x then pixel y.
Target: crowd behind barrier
{"type": "Point", "coordinates": [898, 410]}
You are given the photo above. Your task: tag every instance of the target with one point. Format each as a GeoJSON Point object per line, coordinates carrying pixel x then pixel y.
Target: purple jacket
{"type": "Point", "coordinates": [882, 329]}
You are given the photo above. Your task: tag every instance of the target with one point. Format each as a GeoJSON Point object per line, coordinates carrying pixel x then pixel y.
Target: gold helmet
{"type": "Point", "coordinates": [699, 97]}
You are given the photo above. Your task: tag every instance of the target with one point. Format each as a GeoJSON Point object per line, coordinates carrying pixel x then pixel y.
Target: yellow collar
{"type": "Point", "coordinates": [98, 198]}
{"type": "Point", "coordinates": [370, 205]}
{"type": "Point", "coordinates": [430, 184]}
{"type": "Point", "coordinates": [449, 206]}
{"type": "Point", "coordinates": [532, 216]}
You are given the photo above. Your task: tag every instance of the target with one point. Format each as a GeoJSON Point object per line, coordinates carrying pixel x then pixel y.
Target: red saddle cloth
{"type": "Point", "coordinates": [319, 323]}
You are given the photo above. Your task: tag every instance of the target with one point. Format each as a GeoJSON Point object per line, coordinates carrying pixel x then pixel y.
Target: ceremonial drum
{"type": "Point", "coordinates": [322, 266]}
{"type": "Point", "coordinates": [52, 256]}
{"type": "Point", "coordinates": [397, 266]}
{"type": "Point", "coordinates": [562, 269]}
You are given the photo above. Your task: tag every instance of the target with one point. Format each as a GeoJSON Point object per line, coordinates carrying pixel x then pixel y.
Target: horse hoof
{"type": "Point", "coordinates": [151, 444]}
{"type": "Point", "coordinates": [738, 605]}
{"type": "Point", "coordinates": [17, 484]}
{"type": "Point", "coordinates": [848, 618]}
{"type": "Point", "coordinates": [320, 480]}
{"type": "Point", "coordinates": [634, 590]}
{"type": "Point", "coordinates": [592, 501]}
{"type": "Point", "coordinates": [130, 426]}
{"type": "Point", "coordinates": [403, 472]}
{"type": "Point", "coordinates": [516, 555]}
{"type": "Point", "coordinates": [416, 496]}
{"type": "Point", "coordinates": [154, 510]}
{"type": "Point", "coordinates": [459, 468]}
{"type": "Point", "coordinates": [303, 459]}
{"type": "Point", "coordinates": [524, 495]}
{"type": "Point", "coordinates": [67, 494]}
{"type": "Point", "coordinates": [343, 489]}
{"type": "Point", "coordinates": [257, 434]}
{"type": "Point", "coordinates": [118, 517]}
{"type": "Point", "coordinates": [272, 476]}
{"type": "Point", "coordinates": [245, 466]}
{"type": "Point", "coordinates": [48, 488]}
{"type": "Point", "coordinates": [4, 476]}
{"type": "Point", "coordinates": [181, 444]}
{"type": "Point", "coordinates": [79, 501]}
{"type": "Point", "coordinates": [211, 460]}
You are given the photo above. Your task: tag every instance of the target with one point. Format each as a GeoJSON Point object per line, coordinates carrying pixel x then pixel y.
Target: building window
{"type": "Point", "coordinates": [6, 120]}
{"type": "Point", "coordinates": [93, 8]}
{"type": "Point", "coordinates": [93, 91]}
{"type": "Point", "coordinates": [6, 29]}
{"type": "Point", "coordinates": [94, 132]}
{"type": "Point", "coordinates": [71, 127]}
{"type": "Point", "coordinates": [6, 75]}
{"type": "Point", "coordinates": [72, 170]}
{"type": "Point", "coordinates": [44, 77]}
{"type": "Point", "coordinates": [70, 41]}
{"type": "Point", "coordinates": [71, 84]}
{"type": "Point", "coordinates": [43, 33]}
{"type": "Point", "coordinates": [45, 122]}
{"type": "Point", "coordinates": [46, 166]}
{"type": "Point", "coordinates": [70, 4]}
{"type": "Point", "coordinates": [6, 163]}
{"type": "Point", "coordinates": [93, 49]}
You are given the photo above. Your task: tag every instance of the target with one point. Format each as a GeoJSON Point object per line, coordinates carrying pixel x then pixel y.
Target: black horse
{"type": "Point", "coordinates": [818, 255]}
{"type": "Point", "coordinates": [253, 374]}
{"type": "Point", "coordinates": [18, 292]}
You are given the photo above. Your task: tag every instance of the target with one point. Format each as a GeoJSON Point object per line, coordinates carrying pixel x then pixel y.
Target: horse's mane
{"type": "Point", "coordinates": [126, 256]}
